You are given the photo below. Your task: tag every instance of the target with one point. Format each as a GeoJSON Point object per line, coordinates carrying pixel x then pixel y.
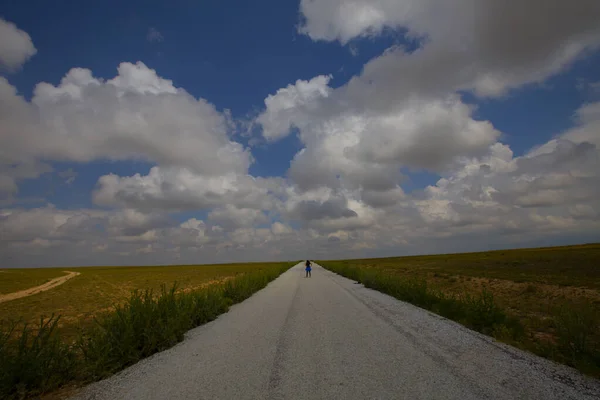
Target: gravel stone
{"type": "Point", "coordinates": [327, 337]}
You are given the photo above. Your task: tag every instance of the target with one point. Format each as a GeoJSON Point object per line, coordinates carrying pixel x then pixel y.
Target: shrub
{"type": "Point", "coordinates": [575, 330]}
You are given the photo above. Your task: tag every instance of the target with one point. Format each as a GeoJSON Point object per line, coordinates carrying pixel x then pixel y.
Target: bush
{"type": "Point", "coordinates": [483, 314]}
{"type": "Point", "coordinates": [576, 328]}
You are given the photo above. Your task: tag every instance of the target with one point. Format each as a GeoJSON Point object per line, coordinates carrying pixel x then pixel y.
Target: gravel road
{"type": "Point", "coordinates": [327, 337]}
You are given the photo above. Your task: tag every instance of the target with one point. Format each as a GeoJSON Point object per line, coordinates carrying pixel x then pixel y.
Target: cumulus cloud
{"type": "Point", "coordinates": [230, 217]}
{"type": "Point", "coordinates": [181, 189]}
{"type": "Point", "coordinates": [587, 129]}
{"type": "Point", "coordinates": [47, 224]}
{"type": "Point", "coordinates": [136, 115]}
{"type": "Point", "coordinates": [360, 148]}
{"type": "Point", "coordinates": [465, 42]}
{"type": "Point", "coordinates": [343, 194]}
{"type": "Point", "coordinates": [424, 135]}
{"type": "Point", "coordinates": [405, 111]}
{"type": "Point", "coordinates": [546, 189]}
{"type": "Point", "coordinates": [16, 46]}
{"type": "Point", "coordinates": [282, 107]}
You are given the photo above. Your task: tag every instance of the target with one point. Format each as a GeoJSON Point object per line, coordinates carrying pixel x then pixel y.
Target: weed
{"type": "Point", "coordinates": [516, 303]}
{"type": "Point", "coordinates": [478, 312]}
{"type": "Point", "coordinates": [38, 360]}
{"type": "Point", "coordinates": [575, 329]}
{"type": "Point", "coordinates": [34, 360]}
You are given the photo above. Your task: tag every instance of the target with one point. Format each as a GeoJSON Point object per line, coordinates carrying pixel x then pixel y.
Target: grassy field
{"type": "Point", "coordinates": [14, 280]}
{"type": "Point", "coordinates": [549, 297]}
{"type": "Point", "coordinates": [111, 318]}
{"type": "Point", "coordinates": [99, 289]}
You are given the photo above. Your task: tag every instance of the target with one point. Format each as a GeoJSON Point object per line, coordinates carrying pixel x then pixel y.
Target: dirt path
{"type": "Point", "coordinates": [42, 288]}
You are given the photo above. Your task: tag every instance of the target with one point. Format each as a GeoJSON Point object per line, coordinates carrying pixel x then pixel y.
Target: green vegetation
{"type": "Point", "coordinates": [14, 280]}
{"type": "Point", "coordinates": [99, 289]}
{"type": "Point", "coordinates": [546, 300]}
{"type": "Point", "coordinates": [37, 360]}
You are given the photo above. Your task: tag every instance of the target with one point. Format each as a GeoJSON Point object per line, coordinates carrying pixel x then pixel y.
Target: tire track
{"type": "Point", "coordinates": [38, 289]}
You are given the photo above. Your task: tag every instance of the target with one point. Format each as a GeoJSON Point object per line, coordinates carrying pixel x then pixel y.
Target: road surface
{"type": "Point", "coordinates": [38, 289]}
{"type": "Point", "coordinates": [327, 337]}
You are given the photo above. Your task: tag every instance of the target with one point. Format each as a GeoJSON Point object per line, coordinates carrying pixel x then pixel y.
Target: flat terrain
{"type": "Point", "coordinates": [51, 284]}
{"type": "Point", "coordinates": [98, 289]}
{"type": "Point", "coordinates": [326, 337]}
{"type": "Point", "coordinates": [538, 286]}
{"type": "Point", "coordinates": [16, 279]}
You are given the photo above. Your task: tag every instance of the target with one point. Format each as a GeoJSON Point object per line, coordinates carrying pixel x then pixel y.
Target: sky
{"type": "Point", "coordinates": [153, 132]}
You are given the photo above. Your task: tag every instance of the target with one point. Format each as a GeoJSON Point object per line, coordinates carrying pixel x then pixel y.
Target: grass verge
{"type": "Point", "coordinates": [35, 359]}
{"type": "Point", "coordinates": [576, 328]}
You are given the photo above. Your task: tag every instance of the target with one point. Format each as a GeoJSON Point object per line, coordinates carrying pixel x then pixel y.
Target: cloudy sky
{"type": "Point", "coordinates": [182, 131]}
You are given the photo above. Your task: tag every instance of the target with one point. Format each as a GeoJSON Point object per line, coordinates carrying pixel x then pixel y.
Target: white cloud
{"type": "Point", "coordinates": [465, 42]}
{"type": "Point", "coordinates": [231, 217]}
{"type": "Point", "coordinates": [16, 46]}
{"type": "Point", "coordinates": [282, 107]}
{"type": "Point", "coordinates": [424, 135]}
{"type": "Point", "coordinates": [361, 148]}
{"type": "Point", "coordinates": [47, 223]}
{"type": "Point", "coordinates": [279, 228]}
{"type": "Point", "coordinates": [547, 189]}
{"type": "Point", "coordinates": [136, 115]}
{"type": "Point", "coordinates": [343, 195]}
{"type": "Point", "coordinates": [181, 189]}
{"type": "Point", "coordinates": [588, 125]}
{"type": "Point", "coordinates": [131, 222]}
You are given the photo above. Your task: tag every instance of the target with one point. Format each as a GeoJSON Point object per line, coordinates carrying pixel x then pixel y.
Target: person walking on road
{"type": "Point", "coordinates": [308, 269]}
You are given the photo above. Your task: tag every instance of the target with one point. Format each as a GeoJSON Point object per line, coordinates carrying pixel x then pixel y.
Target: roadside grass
{"type": "Point", "coordinates": [98, 289]}
{"type": "Point", "coordinates": [478, 312]}
{"type": "Point", "coordinates": [37, 359]}
{"type": "Point", "coordinates": [546, 301]}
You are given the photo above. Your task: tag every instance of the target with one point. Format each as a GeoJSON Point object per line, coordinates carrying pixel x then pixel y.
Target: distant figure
{"type": "Point", "coordinates": [308, 269]}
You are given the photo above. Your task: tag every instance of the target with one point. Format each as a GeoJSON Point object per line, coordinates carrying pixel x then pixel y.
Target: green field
{"type": "Point", "coordinates": [110, 317]}
{"type": "Point", "coordinates": [553, 294]}
{"type": "Point", "coordinates": [99, 289]}
{"type": "Point", "coordinates": [14, 280]}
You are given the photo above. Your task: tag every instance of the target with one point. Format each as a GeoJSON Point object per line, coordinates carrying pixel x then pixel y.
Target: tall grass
{"type": "Point", "coordinates": [479, 312]}
{"type": "Point", "coordinates": [576, 328]}
{"type": "Point", "coordinates": [577, 337]}
{"type": "Point", "coordinates": [35, 360]}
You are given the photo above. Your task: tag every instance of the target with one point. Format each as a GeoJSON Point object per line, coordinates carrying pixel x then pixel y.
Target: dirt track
{"type": "Point", "coordinates": [42, 288]}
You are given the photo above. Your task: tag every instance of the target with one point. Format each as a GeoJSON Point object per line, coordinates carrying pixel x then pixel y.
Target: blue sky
{"type": "Point", "coordinates": [232, 55]}
{"type": "Point", "coordinates": [205, 48]}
